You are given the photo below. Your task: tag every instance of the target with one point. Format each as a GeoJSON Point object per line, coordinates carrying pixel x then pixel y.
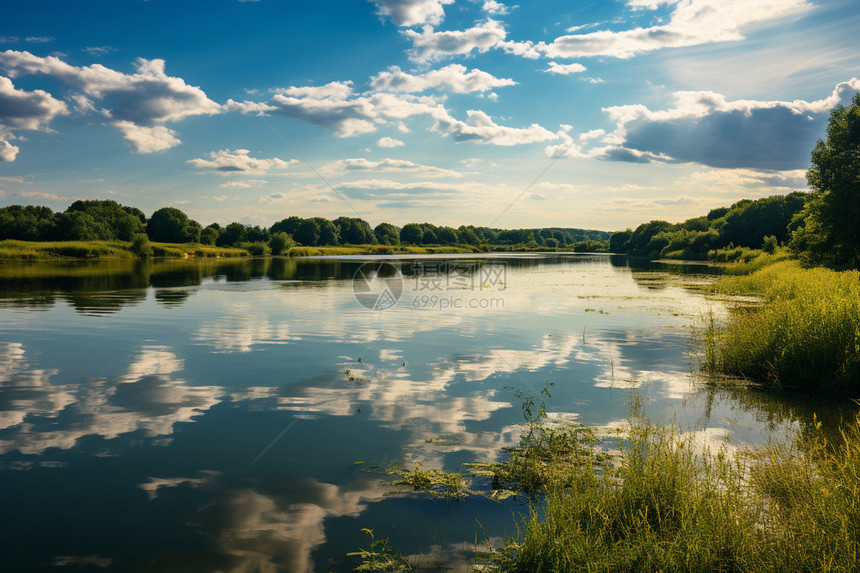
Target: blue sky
{"type": "Point", "coordinates": [581, 114]}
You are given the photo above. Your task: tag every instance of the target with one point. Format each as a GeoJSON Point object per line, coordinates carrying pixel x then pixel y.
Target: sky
{"type": "Point", "coordinates": [590, 114]}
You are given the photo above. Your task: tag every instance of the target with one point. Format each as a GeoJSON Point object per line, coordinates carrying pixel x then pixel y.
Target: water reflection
{"type": "Point", "coordinates": [195, 369]}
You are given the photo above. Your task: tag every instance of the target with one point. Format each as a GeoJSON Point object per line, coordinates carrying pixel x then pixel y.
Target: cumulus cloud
{"type": "Point", "coordinates": [137, 104]}
{"type": "Point", "coordinates": [705, 127]}
{"type": "Point", "coordinates": [412, 12]}
{"type": "Point", "coordinates": [565, 69]}
{"type": "Point", "coordinates": [147, 139]}
{"type": "Point", "coordinates": [493, 7]}
{"type": "Point", "coordinates": [239, 162]}
{"type": "Point", "coordinates": [336, 106]}
{"type": "Point", "coordinates": [429, 45]}
{"type": "Point", "coordinates": [480, 128]}
{"type": "Point", "coordinates": [389, 142]}
{"type": "Point", "coordinates": [20, 109]}
{"type": "Point", "coordinates": [453, 78]}
{"type": "Point", "coordinates": [388, 165]}
{"type": "Point", "coordinates": [693, 22]}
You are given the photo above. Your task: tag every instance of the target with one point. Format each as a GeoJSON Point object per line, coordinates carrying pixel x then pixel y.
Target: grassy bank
{"type": "Point", "coordinates": [60, 250]}
{"type": "Point", "coordinates": [666, 503]}
{"type": "Point", "coordinates": [805, 333]}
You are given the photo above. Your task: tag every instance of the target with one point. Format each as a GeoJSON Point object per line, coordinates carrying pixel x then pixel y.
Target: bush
{"type": "Point", "coordinates": [281, 242]}
{"type": "Point", "coordinates": [257, 249]}
{"type": "Point", "coordinates": [770, 244]}
{"type": "Point", "coordinates": [141, 246]}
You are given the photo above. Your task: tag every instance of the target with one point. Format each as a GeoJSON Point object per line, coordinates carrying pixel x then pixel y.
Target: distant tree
{"type": "Point", "coordinates": [209, 235]}
{"type": "Point", "coordinates": [354, 231]}
{"type": "Point", "coordinates": [258, 234]}
{"type": "Point", "coordinates": [170, 225]}
{"type": "Point", "coordinates": [429, 234]}
{"type": "Point", "coordinates": [550, 243]}
{"type": "Point", "coordinates": [329, 232]}
{"type": "Point", "coordinates": [308, 233]}
{"type": "Point", "coordinates": [112, 220]}
{"type": "Point", "coordinates": [281, 242]}
{"type": "Point", "coordinates": [80, 226]}
{"type": "Point", "coordinates": [231, 235]}
{"type": "Point", "coordinates": [468, 235]}
{"type": "Point", "coordinates": [411, 234]}
{"type": "Point", "coordinates": [290, 225]}
{"type": "Point", "coordinates": [835, 180]}
{"type": "Point", "coordinates": [136, 212]}
{"type": "Point", "coordinates": [447, 236]}
{"type": "Point", "coordinates": [620, 241]}
{"type": "Point", "coordinates": [387, 234]}
{"type": "Point", "coordinates": [28, 223]}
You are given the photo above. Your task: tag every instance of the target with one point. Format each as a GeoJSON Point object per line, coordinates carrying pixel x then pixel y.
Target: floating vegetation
{"type": "Point", "coordinates": [438, 483]}
{"type": "Point", "coordinates": [350, 377]}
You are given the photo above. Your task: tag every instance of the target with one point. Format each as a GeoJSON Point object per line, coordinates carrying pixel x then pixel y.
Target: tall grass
{"type": "Point", "coordinates": [805, 334]}
{"type": "Point", "coordinates": [669, 504]}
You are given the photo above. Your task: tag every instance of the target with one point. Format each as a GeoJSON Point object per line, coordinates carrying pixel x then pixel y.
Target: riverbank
{"type": "Point", "coordinates": [804, 334]}
{"type": "Point", "coordinates": [13, 250]}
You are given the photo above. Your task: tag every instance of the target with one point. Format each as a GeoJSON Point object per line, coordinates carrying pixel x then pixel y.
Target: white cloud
{"type": "Point", "coordinates": [147, 139]}
{"type": "Point", "coordinates": [387, 165]}
{"type": "Point", "coordinates": [21, 109]}
{"type": "Point", "coordinates": [412, 12]}
{"type": "Point", "coordinates": [389, 142]}
{"type": "Point", "coordinates": [565, 69]}
{"type": "Point", "coordinates": [693, 22]}
{"type": "Point", "coordinates": [429, 45]}
{"type": "Point", "coordinates": [244, 184]}
{"type": "Point", "coordinates": [493, 7]}
{"type": "Point", "coordinates": [337, 107]}
{"type": "Point", "coordinates": [137, 104]}
{"type": "Point", "coordinates": [453, 77]}
{"type": "Point", "coordinates": [480, 128]}
{"type": "Point", "coordinates": [649, 4]}
{"type": "Point", "coordinates": [705, 127]}
{"type": "Point", "coordinates": [239, 162]}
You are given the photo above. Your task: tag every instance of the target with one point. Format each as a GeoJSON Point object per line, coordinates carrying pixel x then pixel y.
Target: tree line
{"type": "Point", "coordinates": [92, 219]}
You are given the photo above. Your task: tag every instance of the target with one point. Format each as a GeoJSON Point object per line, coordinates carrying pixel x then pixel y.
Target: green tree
{"type": "Point", "coordinates": [620, 241]}
{"type": "Point", "coordinates": [281, 242]}
{"type": "Point", "coordinates": [329, 232]}
{"type": "Point", "coordinates": [290, 225]}
{"type": "Point", "coordinates": [233, 234]}
{"type": "Point", "coordinates": [468, 235]}
{"type": "Point", "coordinates": [411, 234]}
{"type": "Point", "coordinates": [308, 233]}
{"type": "Point", "coordinates": [170, 225]}
{"type": "Point", "coordinates": [387, 234]}
{"type": "Point", "coordinates": [447, 236]}
{"type": "Point", "coordinates": [835, 180]}
{"type": "Point", "coordinates": [354, 231]}
{"type": "Point", "coordinates": [209, 235]}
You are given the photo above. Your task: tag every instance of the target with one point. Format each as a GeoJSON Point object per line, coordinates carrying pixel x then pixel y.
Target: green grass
{"type": "Point", "coordinates": [667, 503]}
{"type": "Point", "coordinates": [59, 250]}
{"type": "Point", "coordinates": [805, 334]}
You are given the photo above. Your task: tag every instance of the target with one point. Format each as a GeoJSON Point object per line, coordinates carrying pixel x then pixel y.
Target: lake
{"type": "Point", "coordinates": [244, 415]}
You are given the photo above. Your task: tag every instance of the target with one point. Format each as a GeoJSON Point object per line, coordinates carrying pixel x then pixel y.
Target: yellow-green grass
{"type": "Point", "coordinates": [58, 250]}
{"type": "Point", "coordinates": [667, 503]}
{"type": "Point", "coordinates": [805, 333]}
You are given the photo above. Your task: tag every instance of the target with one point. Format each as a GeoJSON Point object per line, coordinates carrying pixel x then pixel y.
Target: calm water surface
{"type": "Point", "coordinates": [210, 415]}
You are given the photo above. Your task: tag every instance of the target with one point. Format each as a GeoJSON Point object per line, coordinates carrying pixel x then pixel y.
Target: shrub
{"type": "Point", "coordinates": [257, 249]}
{"type": "Point", "coordinates": [141, 246]}
{"type": "Point", "coordinates": [281, 242]}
